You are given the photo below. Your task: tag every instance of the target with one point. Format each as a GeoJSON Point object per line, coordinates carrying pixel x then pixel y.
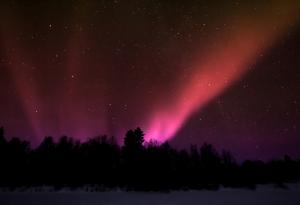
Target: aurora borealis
{"type": "Point", "coordinates": [225, 72]}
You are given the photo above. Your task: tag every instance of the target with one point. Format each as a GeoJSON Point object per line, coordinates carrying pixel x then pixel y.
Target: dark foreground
{"type": "Point", "coordinates": [135, 165]}
{"type": "Point", "coordinates": [262, 195]}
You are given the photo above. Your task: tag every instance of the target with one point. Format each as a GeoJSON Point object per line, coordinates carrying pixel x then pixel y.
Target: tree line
{"type": "Point", "coordinates": [102, 164]}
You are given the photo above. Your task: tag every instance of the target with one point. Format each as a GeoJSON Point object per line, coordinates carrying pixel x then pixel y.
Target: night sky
{"type": "Point", "coordinates": [224, 72]}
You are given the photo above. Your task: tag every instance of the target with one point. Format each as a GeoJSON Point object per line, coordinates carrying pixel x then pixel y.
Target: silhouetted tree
{"type": "Point", "coordinates": [44, 160]}
{"type": "Point", "coordinates": [210, 165]}
{"type": "Point", "coordinates": [2, 139]}
{"type": "Point", "coordinates": [132, 153]}
{"type": "Point", "coordinates": [3, 161]}
{"type": "Point", "coordinates": [134, 139]}
{"type": "Point", "coordinates": [2, 142]}
{"type": "Point", "coordinates": [101, 159]}
{"type": "Point", "coordinates": [17, 152]}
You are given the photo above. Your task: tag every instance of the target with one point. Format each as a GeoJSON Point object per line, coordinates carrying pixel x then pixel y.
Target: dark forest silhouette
{"type": "Point", "coordinates": [102, 164]}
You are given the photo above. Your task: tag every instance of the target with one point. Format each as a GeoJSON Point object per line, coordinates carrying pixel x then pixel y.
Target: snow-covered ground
{"type": "Point", "coordinates": [262, 195]}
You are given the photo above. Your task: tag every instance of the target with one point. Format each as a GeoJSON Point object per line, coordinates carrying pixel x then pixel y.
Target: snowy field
{"type": "Point", "coordinates": [262, 195]}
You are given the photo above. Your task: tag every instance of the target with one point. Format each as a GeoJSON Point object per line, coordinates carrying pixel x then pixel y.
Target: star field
{"type": "Point", "coordinates": [225, 72]}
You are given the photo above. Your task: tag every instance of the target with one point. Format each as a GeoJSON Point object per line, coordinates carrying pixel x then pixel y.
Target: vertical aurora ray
{"type": "Point", "coordinates": [79, 95]}
{"type": "Point", "coordinates": [20, 66]}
